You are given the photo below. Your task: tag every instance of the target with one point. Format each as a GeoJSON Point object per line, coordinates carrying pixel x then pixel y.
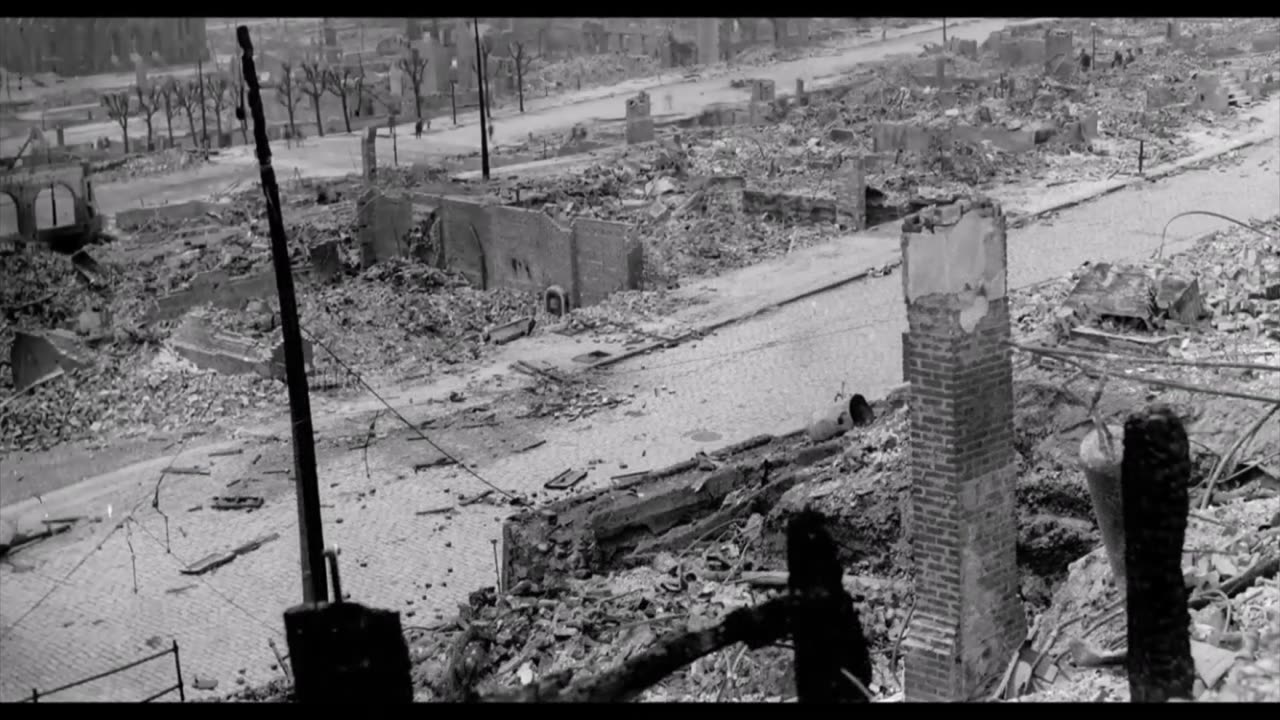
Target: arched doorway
{"type": "Point", "coordinates": [55, 207]}
{"type": "Point", "coordinates": [8, 215]}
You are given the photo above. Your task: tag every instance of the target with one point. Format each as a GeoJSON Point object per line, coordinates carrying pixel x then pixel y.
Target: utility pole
{"type": "Point", "coordinates": [1093, 34]}
{"type": "Point", "coordinates": [484, 126]}
{"type": "Point", "coordinates": [453, 89]}
{"type": "Point", "coordinates": [944, 31]}
{"type": "Point", "coordinates": [315, 586]}
{"type": "Point", "coordinates": [204, 121]}
{"type": "Point", "coordinates": [395, 152]}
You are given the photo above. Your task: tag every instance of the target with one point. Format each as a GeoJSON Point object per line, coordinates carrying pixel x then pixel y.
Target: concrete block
{"type": "Point", "coordinates": [34, 355]}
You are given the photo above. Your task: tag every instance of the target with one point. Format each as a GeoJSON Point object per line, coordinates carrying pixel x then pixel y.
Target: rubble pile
{"type": "Point", "coordinates": [598, 614]}
{"type": "Point", "coordinates": [399, 318]}
{"type": "Point", "coordinates": [151, 164]}
{"type": "Point", "coordinates": [131, 394]}
{"type": "Point", "coordinates": [622, 312]}
{"type": "Point", "coordinates": [587, 625]}
{"type": "Point", "coordinates": [583, 71]}
{"type": "Point", "coordinates": [39, 290]}
{"type": "Point", "coordinates": [569, 399]}
{"type": "Point", "coordinates": [402, 318]}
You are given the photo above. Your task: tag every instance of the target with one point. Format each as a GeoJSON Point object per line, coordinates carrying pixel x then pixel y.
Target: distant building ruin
{"type": "Point", "coordinates": [72, 46]}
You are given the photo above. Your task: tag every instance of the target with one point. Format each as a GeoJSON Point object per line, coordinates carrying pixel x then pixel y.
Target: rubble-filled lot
{"type": "Point", "coordinates": [597, 596]}
{"type": "Point", "coordinates": [404, 320]}
{"type": "Point", "coordinates": [1078, 127]}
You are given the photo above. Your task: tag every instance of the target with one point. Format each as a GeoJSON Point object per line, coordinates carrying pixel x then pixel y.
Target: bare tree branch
{"type": "Point", "coordinates": [148, 104]}
{"type": "Point", "coordinates": [117, 105]}
{"type": "Point", "coordinates": [312, 85]}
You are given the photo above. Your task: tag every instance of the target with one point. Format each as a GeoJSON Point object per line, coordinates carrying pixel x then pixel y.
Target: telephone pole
{"type": "Point", "coordinates": [315, 587]}
{"type": "Point", "coordinates": [484, 126]}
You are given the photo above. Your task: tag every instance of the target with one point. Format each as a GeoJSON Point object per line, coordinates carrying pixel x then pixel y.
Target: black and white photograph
{"type": "Point", "coordinates": [763, 361]}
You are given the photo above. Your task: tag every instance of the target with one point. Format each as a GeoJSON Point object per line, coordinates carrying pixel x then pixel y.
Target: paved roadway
{"type": "Point", "coordinates": [763, 375]}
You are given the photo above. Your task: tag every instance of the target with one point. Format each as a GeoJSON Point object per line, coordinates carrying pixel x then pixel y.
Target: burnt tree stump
{"type": "Point", "coordinates": [830, 645]}
{"type": "Point", "coordinates": [1155, 472]}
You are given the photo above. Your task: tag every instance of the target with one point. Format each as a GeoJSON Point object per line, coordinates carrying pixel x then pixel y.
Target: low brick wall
{"type": "Point", "coordinates": [891, 137]}
{"type": "Point", "coordinates": [791, 208]}
{"type": "Point", "coordinates": [129, 220]}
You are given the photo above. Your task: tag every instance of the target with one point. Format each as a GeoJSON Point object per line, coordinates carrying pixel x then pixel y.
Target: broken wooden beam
{"type": "Point", "coordinates": [663, 510]}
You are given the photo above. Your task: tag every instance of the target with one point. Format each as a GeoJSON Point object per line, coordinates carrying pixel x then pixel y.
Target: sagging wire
{"type": "Point", "coordinates": [1210, 213]}
{"type": "Point", "coordinates": [267, 626]}
{"type": "Point", "coordinates": [421, 435]}
{"type": "Point", "coordinates": [127, 517]}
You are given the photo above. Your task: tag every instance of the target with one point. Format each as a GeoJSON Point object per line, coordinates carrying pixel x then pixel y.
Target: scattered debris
{"type": "Point", "coordinates": [217, 560]}
{"type": "Point", "coordinates": [566, 479]}
{"type": "Point", "coordinates": [236, 502]}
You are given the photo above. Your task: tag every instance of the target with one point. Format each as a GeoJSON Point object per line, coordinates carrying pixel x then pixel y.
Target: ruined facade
{"type": "Point", "coordinates": [84, 46]}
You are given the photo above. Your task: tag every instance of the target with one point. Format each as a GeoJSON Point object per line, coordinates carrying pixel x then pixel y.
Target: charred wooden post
{"type": "Point", "coordinates": [1154, 473]}
{"type": "Point", "coordinates": [831, 651]}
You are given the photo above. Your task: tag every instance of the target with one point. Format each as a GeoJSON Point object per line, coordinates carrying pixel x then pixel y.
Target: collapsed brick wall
{"type": "Point", "coordinates": [502, 246]}
{"type": "Point", "coordinates": [217, 288]}
{"type": "Point", "coordinates": [129, 220]}
{"type": "Point", "coordinates": [961, 517]}
{"type": "Point", "coordinates": [890, 137]}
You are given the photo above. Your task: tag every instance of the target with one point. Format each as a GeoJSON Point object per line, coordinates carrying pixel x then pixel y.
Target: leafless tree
{"type": "Point", "coordinates": [148, 104]}
{"type": "Point", "coordinates": [415, 67]}
{"type": "Point", "coordinates": [342, 83]}
{"type": "Point", "coordinates": [117, 105]}
{"type": "Point", "coordinates": [522, 61]}
{"type": "Point", "coordinates": [312, 84]}
{"type": "Point", "coordinates": [186, 95]}
{"type": "Point", "coordinates": [287, 95]}
{"type": "Point", "coordinates": [167, 91]}
{"type": "Point", "coordinates": [216, 88]}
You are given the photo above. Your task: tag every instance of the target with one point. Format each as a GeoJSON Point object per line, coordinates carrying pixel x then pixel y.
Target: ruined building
{"type": "Point", "coordinates": [85, 46]}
